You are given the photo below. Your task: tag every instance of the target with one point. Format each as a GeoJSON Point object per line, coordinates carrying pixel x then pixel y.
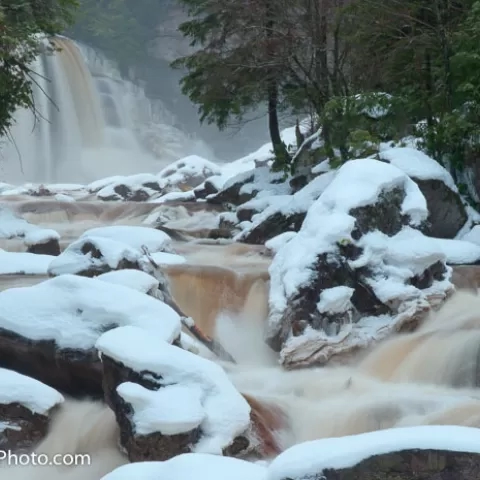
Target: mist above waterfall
{"type": "Point", "coordinates": [89, 123]}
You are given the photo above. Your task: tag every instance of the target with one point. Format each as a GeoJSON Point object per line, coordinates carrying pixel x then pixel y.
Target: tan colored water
{"type": "Point", "coordinates": [431, 376]}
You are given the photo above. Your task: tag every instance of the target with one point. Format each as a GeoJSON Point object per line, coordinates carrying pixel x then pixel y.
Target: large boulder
{"type": "Point", "coordinates": [92, 256]}
{"type": "Point", "coordinates": [359, 254]}
{"type": "Point", "coordinates": [168, 401]}
{"type": "Point", "coordinates": [43, 242]}
{"type": "Point", "coordinates": [48, 331]}
{"type": "Point", "coordinates": [447, 213]}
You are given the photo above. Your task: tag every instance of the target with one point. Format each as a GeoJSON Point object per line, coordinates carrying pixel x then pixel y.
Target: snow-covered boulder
{"type": "Point", "coordinates": [134, 188]}
{"type": "Point", "coordinates": [43, 242]}
{"type": "Point", "coordinates": [92, 256]}
{"type": "Point", "coordinates": [188, 172]}
{"type": "Point", "coordinates": [25, 407]}
{"type": "Point", "coordinates": [48, 331]}
{"type": "Point", "coordinates": [358, 269]}
{"type": "Point", "coordinates": [414, 453]}
{"type": "Point", "coordinates": [169, 401]}
{"type": "Point", "coordinates": [260, 182]}
{"type": "Point", "coordinates": [446, 212]}
{"type": "Point", "coordinates": [278, 214]}
{"type": "Point", "coordinates": [133, 236]}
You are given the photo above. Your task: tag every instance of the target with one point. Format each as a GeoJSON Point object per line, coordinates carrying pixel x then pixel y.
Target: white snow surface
{"type": "Point", "coordinates": [73, 260]}
{"type": "Point", "coordinates": [74, 311]}
{"type": "Point", "coordinates": [189, 466]}
{"type": "Point", "coordinates": [205, 388]}
{"type": "Point", "coordinates": [417, 164]}
{"type": "Point", "coordinates": [24, 263]}
{"type": "Point", "coordinates": [335, 300]}
{"type": "Point", "coordinates": [276, 243]}
{"type": "Point", "coordinates": [133, 236]}
{"type": "Point", "coordinates": [304, 461]}
{"type": "Point", "coordinates": [136, 279]}
{"type": "Point", "coordinates": [187, 196]}
{"type": "Point", "coordinates": [32, 394]}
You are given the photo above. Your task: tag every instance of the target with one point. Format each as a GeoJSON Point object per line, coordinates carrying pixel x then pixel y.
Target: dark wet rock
{"type": "Point", "coordinates": [409, 465]}
{"type": "Point", "coordinates": [49, 247]}
{"type": "Point", "coordinates": [75, 372]}
{"type": "Point", "coordinates": [447, 213]}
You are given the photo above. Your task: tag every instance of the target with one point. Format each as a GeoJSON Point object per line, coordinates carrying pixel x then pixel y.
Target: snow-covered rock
{"type": "Point", "coordinates": [260, 182]}
{"type": "Point", "coordinates": [403, 453]}
{"type": "Point", "coordinates": [362, 233]}
{"type": "Point", "coordinates": [447, 213]}
{"type": "Point", "coordinates": [133, 236]}
{"type": "Point", "coordinates": [170, 398]}
{"type": "Point", "coordinates": [188, 172]}
{"type": "Point", "coordinates": [91, 256]}
{"type": "Point", "coordinates": [25, 406]}
{"type": "Point", "coordinates": [281, 213]}
{"type": "Point", "coordinates": [50, 329]}
{"type": "Point", "coordinates": [43, 242]}
{"type": "Point", "coordinates": [134, 188]}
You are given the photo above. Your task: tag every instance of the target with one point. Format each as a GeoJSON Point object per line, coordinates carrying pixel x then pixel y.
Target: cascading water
{"type": "Point", "coordinates": [90, 123]}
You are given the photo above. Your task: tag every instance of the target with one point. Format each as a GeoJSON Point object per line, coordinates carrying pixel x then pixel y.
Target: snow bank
{"type": "Point", "coordinates": [24, 263]}
{"type": "Point", "coordinates": [195, 392]}
{"type": "Point", "coordinates": [74, 311]}
{"type": "Point", "coordinates": [74, 260]}
{"type": "Point", "coordinates": [134, 237]}
{"type": "Point", "coordinates": [136, 279]}
{"type": "Point", "coordinates": [309, 460]}
{"type": "Point", "coordinates": [32, 394]}
{"type": "Point", "coordinates": [418, 165]}
{"type": "Point", "coordinates": [189, 466]}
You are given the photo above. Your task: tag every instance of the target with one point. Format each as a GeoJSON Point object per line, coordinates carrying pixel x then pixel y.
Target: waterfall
{"type": "Point", "coordinates": [90, 123]}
